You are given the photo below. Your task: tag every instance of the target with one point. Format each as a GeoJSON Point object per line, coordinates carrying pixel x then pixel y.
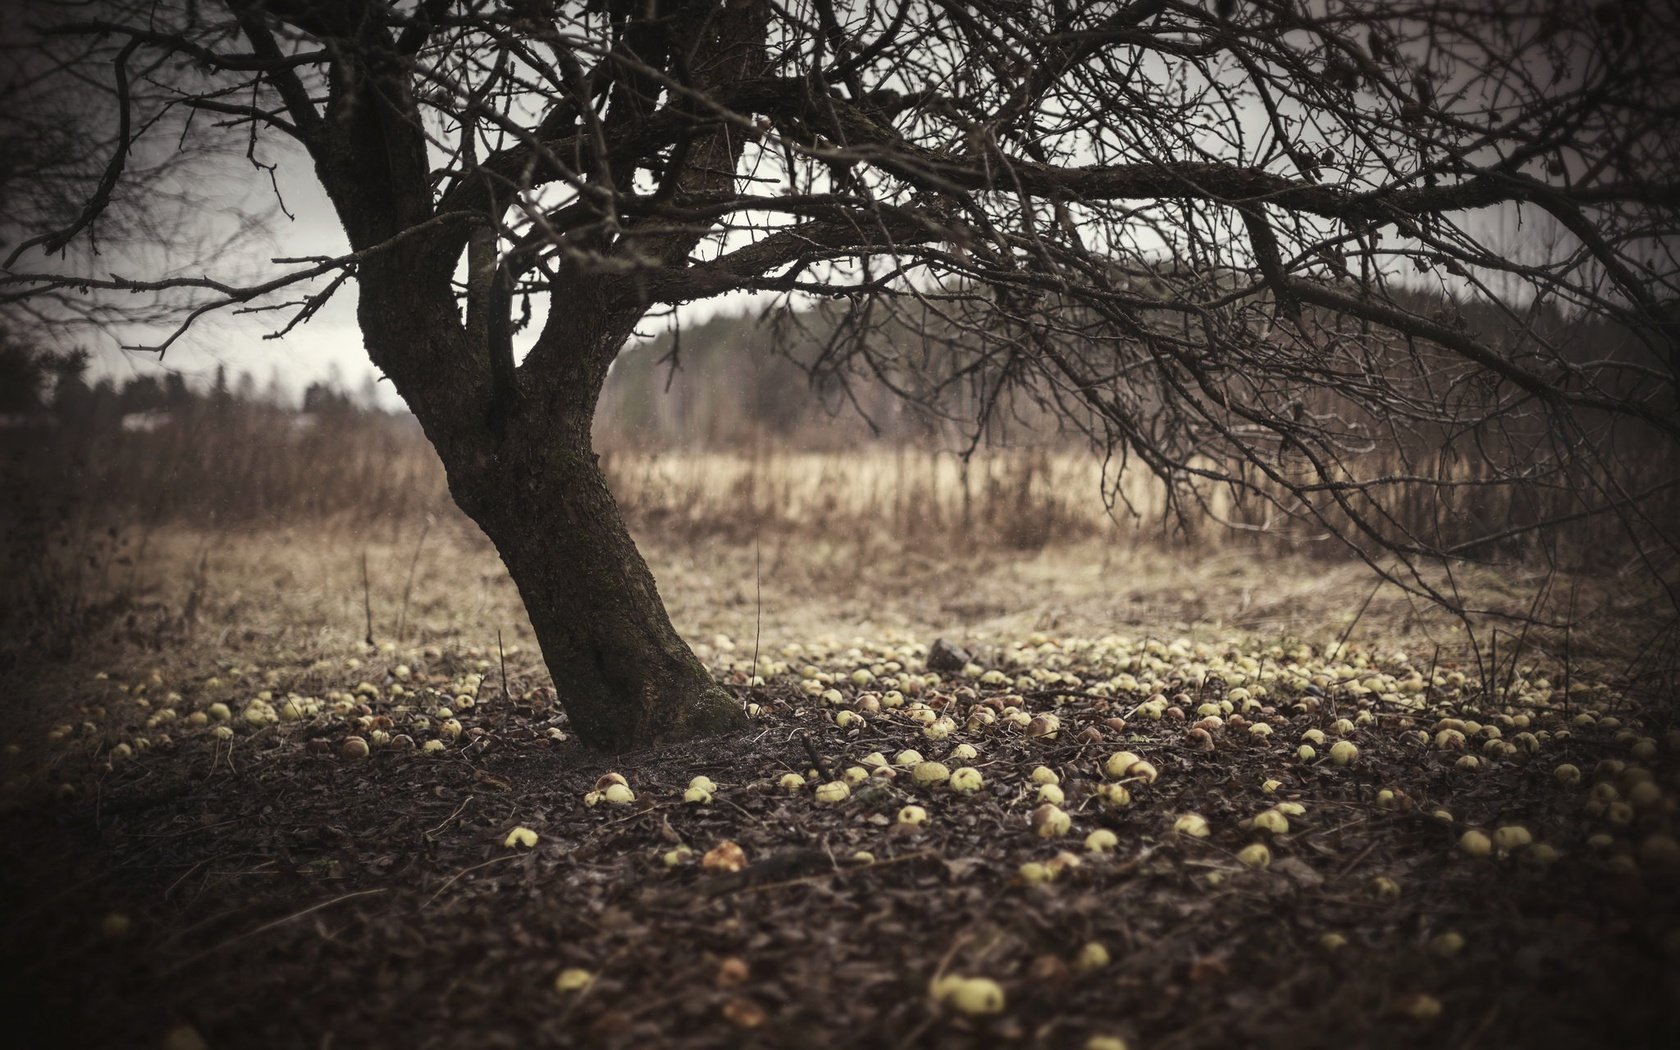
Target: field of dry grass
{"type": "Point", "coordinates": [317, 550]}
{"type": "Point", "coordinates": [184, 602]}
{"type": "Point", "coordinates": [181, 522]}
{"type": "Point", "coordinates": [429, 582]}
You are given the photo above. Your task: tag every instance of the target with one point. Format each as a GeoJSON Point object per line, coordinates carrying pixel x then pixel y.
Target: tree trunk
{"type": "Point", "coordinates": [624, 676]}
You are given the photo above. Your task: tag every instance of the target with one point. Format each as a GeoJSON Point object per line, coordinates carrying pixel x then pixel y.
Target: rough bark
{"type": "Point", "coordinates": [524, 470]}
{"type": "Point", "coordinates": [623, 674]}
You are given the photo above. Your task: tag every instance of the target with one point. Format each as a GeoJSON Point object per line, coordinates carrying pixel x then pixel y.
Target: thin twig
{"type": "Point", "coordinates": [816, 759]}
{"type": "Point", "coordinates": [1331, 655]}
{"type": "Point", "coordinates": [367, 599]}
{"type": "Point", "coordinates": [274, 924]}
{"type": "Point", "coordinates": [467, 871]}
{"type": "Point", "coordinates": [408, 586]}
{"type": "Point", "coordinates": [758, 602]}
{"type": "Point", "coordinates": [919, 855]}
{"type": "Point", "coordinates": [464, 804]}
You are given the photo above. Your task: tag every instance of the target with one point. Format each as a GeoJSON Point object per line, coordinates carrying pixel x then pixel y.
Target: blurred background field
{"type": "Point", "coordinates": [164, 516]}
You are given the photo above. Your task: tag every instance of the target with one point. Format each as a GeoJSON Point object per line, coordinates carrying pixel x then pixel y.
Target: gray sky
{"type": "Point", "coordinates": [329, 346]}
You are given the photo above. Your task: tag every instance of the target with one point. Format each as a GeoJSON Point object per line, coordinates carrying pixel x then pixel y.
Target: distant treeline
{"type": "Point", "coordinates": [52, 388]}
{"type": "Point", "coordinates": [156, 447]}
{"type": "Point", "coordinates": [730, 382]}
{"type": "Point", "coordinates": [733, 381]}
{"type": "Point", "coordinates": [739, 381]}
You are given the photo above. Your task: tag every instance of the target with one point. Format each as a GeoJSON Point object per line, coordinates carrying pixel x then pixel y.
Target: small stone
{"type": "Point", "coordinates": [943, 656]}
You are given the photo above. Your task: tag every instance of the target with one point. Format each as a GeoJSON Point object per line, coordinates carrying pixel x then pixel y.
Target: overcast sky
{"type": "Point", "coordinates": [329, 346]}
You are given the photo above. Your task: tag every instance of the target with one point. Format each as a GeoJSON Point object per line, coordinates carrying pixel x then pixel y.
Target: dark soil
{"type": "Point", "coordinates": [281, 896]}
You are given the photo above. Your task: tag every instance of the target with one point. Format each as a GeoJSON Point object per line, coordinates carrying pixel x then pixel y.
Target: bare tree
{"type": "Point", "coordinates": [1242, 244]}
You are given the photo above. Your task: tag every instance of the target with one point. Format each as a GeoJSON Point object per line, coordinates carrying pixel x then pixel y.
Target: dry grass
{"type": "Point", "coordinates": [238, 530]}
{"type": "Point", "coordinates": [204, 599]}
{"type": "Point", "coordinates": [259, 467]}
{"type": "Point", "coordinates": [247, 465]}
{"type": "Point", "coordinates": [1015, 499]}
{"type": "Point", "coordinates": [301, 583]}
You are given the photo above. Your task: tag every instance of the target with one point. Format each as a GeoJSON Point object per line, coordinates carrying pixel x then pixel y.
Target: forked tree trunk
{"type": "Point", "coordinates": [624, 676]}
{"type": "Point", "coordinates": [515, 440]}
{"type": "Point", "coordinates": [522, 467]}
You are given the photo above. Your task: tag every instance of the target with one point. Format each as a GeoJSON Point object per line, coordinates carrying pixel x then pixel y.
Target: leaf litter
{"type": "Point", "coordinates": [229, 870]}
